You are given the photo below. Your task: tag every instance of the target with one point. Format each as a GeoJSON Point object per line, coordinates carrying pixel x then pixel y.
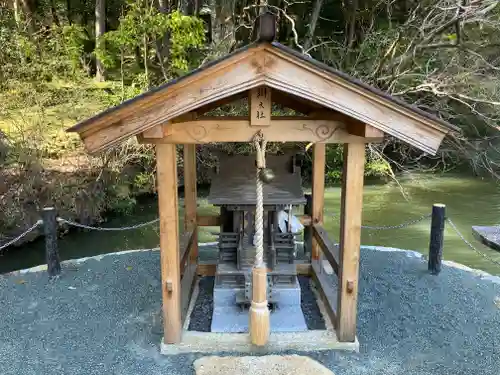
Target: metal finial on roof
{"type": "Point", "coordinates": [265, 27]}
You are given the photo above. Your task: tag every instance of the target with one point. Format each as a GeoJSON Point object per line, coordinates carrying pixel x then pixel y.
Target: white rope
{"type": "Point", "coordinates": [260, 145]}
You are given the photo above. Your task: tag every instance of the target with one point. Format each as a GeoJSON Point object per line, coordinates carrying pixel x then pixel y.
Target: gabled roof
{"type": "Point", "coordinates": [230, 185]}
{"type": "Point", "coordinates": [279, 67]}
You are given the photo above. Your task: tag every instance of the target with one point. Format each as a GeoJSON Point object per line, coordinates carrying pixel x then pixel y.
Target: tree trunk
{"type": "Point", "coordinates": [138, 57]}
{"type": "Point", "coordinates": [28, 13]}
{"type": "Point", "coordinates": [146, 68]}
{"type": "Point", "coordinates": [100, 26]}
{"type": "Point", "coordinates": [68, 11]}
{"type": "Point", "coordinates": [312, 24]}
{"type": "Point", "coordinates": [191, 7]}
{"type": "Point", "coordinates": [17, 17]}
{"type": "Point", "coordinates": [17, 14]}
{"type": "Point", "coordinates": [163, 44]}
{"type": "Point", "coordinates": [53, 12]}
{"type": "Point", "coordinates": [353, 7]}
{"type": "Point", "coordinates": [221, 13]}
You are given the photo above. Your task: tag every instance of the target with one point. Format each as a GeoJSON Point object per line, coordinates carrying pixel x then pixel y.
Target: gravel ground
{"type": "Point", "coordinates": [103, 317]}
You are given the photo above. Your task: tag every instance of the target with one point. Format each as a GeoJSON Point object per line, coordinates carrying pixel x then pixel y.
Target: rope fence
{"type": "Point", "coordinates": [22, 235]}
{"type": "Point", "coordinates": [51, 222]}
{"type": "Point", "coordinates": [104, 229]}
{"type": "Point", "coordinates": [485, 256]}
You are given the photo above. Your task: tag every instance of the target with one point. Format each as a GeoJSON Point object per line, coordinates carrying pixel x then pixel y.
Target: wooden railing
{"type": "Point", "coordinates": [331, 252]}
{"type": "Point", "coordinates": [185, 245]}
{"type": "Point", "coordinates": [187, 242]}
{"type": "Point", "coordinates": [329, 249]}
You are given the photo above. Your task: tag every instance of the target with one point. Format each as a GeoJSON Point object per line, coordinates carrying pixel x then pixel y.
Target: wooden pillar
{"type": "Point", "coordinates": [166, 164]}
{"type": "Point", "coordinates": [49, 215]}
{"type": "Point", "coordinates": [308, 228]}
{"type": "Point", "coordinates": [190, 197]}
{"type": "Point", "coordinates": [350, 240]}
{"type": "Point", "coordinates": [318, 191]}
{"type": "Point", "coordinates": [437, 238]}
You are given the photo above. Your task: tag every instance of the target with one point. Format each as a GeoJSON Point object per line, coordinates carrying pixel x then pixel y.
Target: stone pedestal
{"type": "Point", "coordinates": [287, 316]}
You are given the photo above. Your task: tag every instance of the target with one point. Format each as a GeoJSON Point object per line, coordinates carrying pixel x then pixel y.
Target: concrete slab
{"type": "Point", "coordinates": [287, 318]}
{"type": "Point", "coordinates": [211, 342]}
{"type": "Point", "coordinates": [262, 365]}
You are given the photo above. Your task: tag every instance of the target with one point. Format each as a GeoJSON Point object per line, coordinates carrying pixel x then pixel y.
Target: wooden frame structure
{"type": "Point", "coordinates": [335, 109]}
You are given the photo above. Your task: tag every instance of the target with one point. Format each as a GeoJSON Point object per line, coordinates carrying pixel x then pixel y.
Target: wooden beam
{"type": "Point", "coordinates": [304, 269]}
{"type": "Point", "coordinates": [326, 291]}
{"type": "Point", "coordinates": [208, 220]}
{"type": "Point", "coordinates": [364, 130]}
{"type": "Point", "coordinates": [190, 197]}
{"type": "Point", "coordinates": [305, 220]}
{"type": "Point", "coordinates": [353, 126]}
{"type": "Point", "coordinates": [254, 67]}
{"type": "Point", "coordinates": [239, 130]}
{"type": "Point", "coordinates": [330, 250]}
{"type": "Point", "coordinates": [169, 242]}
{"type": "Point", "coordinates": [260, 106]}
{"type": "Point", "coordinates": [230, 77]}
{"type": "Point", "coordinates": [318, 191]}
{"type": "Point", "coordinates": [215, 220]}
{"type": "Point", "coordinates": [299, 78]}
{"type": "Point", "coordinates": [208, 269]}
{"type": "Point", "coordinates": [154, 132]}
{"type": "Point", "coordinates": [350, 239]}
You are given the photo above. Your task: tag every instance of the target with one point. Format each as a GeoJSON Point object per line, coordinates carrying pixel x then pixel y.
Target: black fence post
{"type": "Point", "coordinates": [308, 228]}
{"type": "Point", "coordinates": [437, 237]}
{"type": "Point", "coordinates": [49, 215]}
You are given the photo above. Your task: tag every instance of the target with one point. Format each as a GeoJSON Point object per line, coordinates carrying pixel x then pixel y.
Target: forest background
{"type": "Point", "coordinates": [64, 60]}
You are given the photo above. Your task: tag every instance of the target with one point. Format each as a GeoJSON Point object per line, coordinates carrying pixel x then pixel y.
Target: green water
{"type": "Point", "coordinates": [469, 201]}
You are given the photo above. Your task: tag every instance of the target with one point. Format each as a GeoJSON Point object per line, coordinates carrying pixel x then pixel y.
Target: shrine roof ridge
{"type": "Point", "coordinates": [287, 50]}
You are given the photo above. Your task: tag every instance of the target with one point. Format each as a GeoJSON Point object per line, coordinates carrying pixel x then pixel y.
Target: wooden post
{"type": "Point", "coordinates": [190, 196]}
{"type": "Point", "coordinates": [318, 191]}
{"type": "Point", "coordinates": [350, 240]}
{"type": "Point", "coordinates": [308, 228]}
{"type": "Point", "coordinates": [49, 216]}
{"type": "Point", "coordinates": [259, 312]}
{"type": "Point", "coordinates": [166, 164]}
{"type": "Point", "coordinates": [437, 237]}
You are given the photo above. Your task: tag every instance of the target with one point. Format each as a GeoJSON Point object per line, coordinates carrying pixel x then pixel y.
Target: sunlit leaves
{"type": "Point", "coordinates": [142, 26]}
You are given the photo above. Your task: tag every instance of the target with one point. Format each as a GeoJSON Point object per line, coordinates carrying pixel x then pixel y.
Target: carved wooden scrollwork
{"type": "Point", "coordinates": [322, 131]}
{"type": "Point", "coordinates": [197, 132]}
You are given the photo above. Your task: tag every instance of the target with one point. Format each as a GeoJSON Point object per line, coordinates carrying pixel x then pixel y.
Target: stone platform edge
{"type": "Point", "coordinates": [210, 342]}
{"type": "Point", "coordinates": [409, 253]}
{"type": "Point", "coordinates": [219, 342]}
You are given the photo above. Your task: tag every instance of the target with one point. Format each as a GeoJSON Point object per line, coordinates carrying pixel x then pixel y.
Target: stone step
{"type": "Point", "coordinates": [259, 365]}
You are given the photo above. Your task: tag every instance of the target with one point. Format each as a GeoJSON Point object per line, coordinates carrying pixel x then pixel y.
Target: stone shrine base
{"type": "Point", "coordinates": [228, 316]}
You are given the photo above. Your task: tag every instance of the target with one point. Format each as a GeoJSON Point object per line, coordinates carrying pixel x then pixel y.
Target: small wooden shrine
{"type": "Point", "coordinates": [233, 191]}
{"type": "Point", "coordinates": [333, 108]}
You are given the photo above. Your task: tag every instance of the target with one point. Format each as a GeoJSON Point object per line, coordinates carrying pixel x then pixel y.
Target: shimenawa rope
{"type": "Point", "coordinates": [260, 145]}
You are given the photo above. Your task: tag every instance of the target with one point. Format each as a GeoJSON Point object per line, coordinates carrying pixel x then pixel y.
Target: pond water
{"type": "Point", "coordinates": [469, 201]}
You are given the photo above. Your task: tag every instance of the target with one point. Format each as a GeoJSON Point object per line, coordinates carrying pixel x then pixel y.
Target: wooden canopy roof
{"type": "Point", "coordinates": [230, 186]}
{"type": "Point", "coordinates": [293, 77]}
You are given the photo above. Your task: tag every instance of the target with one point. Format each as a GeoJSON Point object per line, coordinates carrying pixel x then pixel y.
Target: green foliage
{"type": "Point", "coordinates": [142, 26]}
{"type": "Point", "coordinates": [186, 32]}
{"type": "Point", "coordinates": [47, 65]}
{"type": "Point", "coordinates": [73, 39]}
{"type": "Point", "coordinates": [333, 163]}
